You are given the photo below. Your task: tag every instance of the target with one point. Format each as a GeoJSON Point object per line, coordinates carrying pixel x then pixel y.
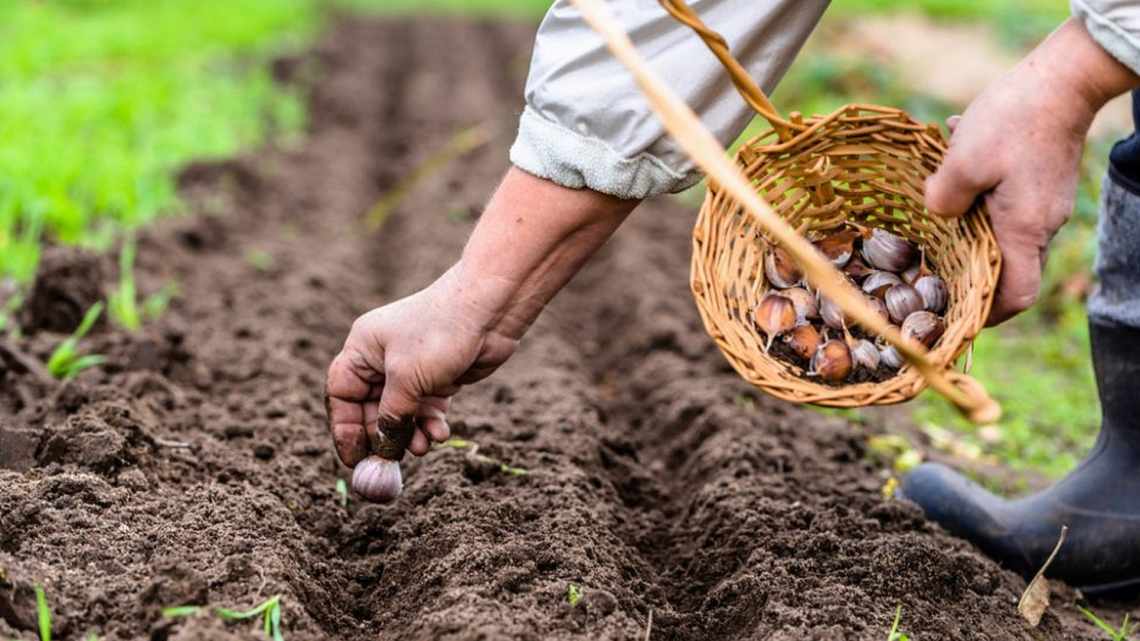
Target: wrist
{"type": "Point", "coordinates": [1078, 74]}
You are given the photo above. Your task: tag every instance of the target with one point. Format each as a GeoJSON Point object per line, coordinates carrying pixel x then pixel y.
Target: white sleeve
{"type": "Point", "coordinates": [587, 125]}
{"type": "Point", "coordinates": [1115, 25]}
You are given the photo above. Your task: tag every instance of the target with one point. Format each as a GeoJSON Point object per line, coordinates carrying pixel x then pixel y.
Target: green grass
{"type": "Point", "coordinates": [269, 611]}
{"type": "Point", "coordinates": [895, 633]}
{"type": "Point", "coordinates": [43, 614]}
{"type": "Point", "coordinates": [101, 101]}
{"type": "Point", "coordinates": [1122, 634]}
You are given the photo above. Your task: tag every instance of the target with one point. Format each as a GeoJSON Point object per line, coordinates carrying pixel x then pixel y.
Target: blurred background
{"type": "Point", "coordinates": [101, 101]}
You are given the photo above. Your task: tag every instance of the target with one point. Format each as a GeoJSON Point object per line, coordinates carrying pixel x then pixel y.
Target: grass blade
{"type": "Point", "coordinates": [180, 611]}
{"type": "Point", "coordinates": [43, 614]}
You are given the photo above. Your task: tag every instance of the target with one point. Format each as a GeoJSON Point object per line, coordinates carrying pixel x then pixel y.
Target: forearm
{"type": "Point", "coordinates": [530, 241]}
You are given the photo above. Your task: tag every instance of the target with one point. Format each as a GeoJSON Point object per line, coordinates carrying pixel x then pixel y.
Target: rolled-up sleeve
{"type": "Point", "coordinates": [586, 124]}
{"type": "Point", "coordinates": [1115, 25]}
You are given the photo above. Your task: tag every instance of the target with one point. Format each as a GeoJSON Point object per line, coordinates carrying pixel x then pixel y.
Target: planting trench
{"type": "Point", "coordinates": [194, 467]}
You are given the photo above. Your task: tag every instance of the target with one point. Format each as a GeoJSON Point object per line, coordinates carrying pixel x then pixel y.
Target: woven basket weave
{"type": "Point", "coordinates": [864, 164]}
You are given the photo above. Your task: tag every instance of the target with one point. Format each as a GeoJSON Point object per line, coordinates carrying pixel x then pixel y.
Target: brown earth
{"type": "Point", "coordinates": [194, 468]}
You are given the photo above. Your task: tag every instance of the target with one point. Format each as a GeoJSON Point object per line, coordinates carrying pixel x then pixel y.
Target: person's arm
{"type": "Point", "coordinates": [1018, 146]}
{"type": "Point", "coordinates": [408, 358]}
{"type": "Point", "coordinates": [589, 149]}
{"type": "Point", "coordinates": [586, 123]}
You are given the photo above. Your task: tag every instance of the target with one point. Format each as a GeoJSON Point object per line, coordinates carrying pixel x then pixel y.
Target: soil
{"type": "Point", "coordinates": [194, 466]}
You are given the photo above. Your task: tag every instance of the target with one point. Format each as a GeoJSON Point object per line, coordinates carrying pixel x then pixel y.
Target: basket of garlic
{"type": "Point", "coordinates": [816, 268]}
{"type": "Point", "coordinates": [851, 182]}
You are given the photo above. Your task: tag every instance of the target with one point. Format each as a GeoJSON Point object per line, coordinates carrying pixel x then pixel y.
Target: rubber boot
{"type": "Point", "coordinates": [1099, 500]}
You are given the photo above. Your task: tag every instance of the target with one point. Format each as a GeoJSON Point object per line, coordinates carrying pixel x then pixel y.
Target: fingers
{"type": "Point", "coordinates": [433, 418]}
{"type": "Point", "coordinates": [348, 388]}
{"type": "Point", "coordinates": [966, 172]}
{"type": "Point", "coordinates": [1020, 280]}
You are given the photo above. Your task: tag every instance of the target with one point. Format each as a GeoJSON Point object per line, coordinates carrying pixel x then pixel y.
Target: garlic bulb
{"type": "Point", "coordinates": [902, 300]}
{"type": "Point", "coordinates": [832, 361]}
{"type": "Point", "coordinates": [804, 340]}
{"type": "Point", "coordinates": [889, 355]}
{"type": "Point", "coordinates": [933, 291]}
{"type": "Point", "coordinates": [885, 250]}
{"type": "Point", "coordinates": [878, 282]}
{"type": "Point", "coordinates": [924, 327]}
{"type": "Point", "coordinates": [781, 270]}
{"type": "Point", "coordinates": [775, 315]}
{"type": "Point", "coordinates": [804, 302]}
{"type": "Point", "coordinates": [377, 479]}
{"type": "Point", "coordinates": [864, 353]}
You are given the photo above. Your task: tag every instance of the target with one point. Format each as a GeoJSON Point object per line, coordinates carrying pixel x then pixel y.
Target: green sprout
{"type": "Point", "coordinates": [1126, 628]}
{"type": "Point", "coordinates": [269, 611]}
{"type": "Point", "coordinates": [473, 452]}
{"type": "Point", "coordinates": [573, 594]}
{"type": "Point", "coordinates": [43, 614]}
{"type": "Point", "coordinates": [65, 361]}
{"type": "Point", "coordinates": [123, 304]}
{"type": "Point", "coordinates": [259, 259]}
{"type": "Point", "coordinates": [342, 492]}
{"type": "Point", "coordinates": [895, 634]}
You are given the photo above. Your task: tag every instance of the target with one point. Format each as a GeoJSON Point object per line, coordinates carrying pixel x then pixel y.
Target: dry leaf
{"type": "Point", "coordinates": [1035, 600]}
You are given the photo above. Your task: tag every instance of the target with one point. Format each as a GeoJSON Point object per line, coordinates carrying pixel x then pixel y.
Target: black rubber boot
{"type": "Point", "coordinates": [1099, 501]}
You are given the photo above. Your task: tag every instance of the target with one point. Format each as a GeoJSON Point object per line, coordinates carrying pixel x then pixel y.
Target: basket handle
{"type": "Point", "coordinates": [687, 130]}
{"type": "Point", "coordinates": [753, 94]}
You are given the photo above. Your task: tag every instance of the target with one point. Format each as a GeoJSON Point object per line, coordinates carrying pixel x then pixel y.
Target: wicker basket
{"type": "Point", "coordinates": [864, 164]}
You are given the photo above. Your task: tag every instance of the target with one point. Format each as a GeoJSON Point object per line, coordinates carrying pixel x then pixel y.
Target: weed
{"type": "Point", "coordinates": [123, 305]}
{"type": "Point", "coordinates": [66, 362]}
{"type": "Point", "coordinates": [895, 634]}
{"type": "Point", "coordinates": [1125, 631]}
{"type": "Point", "coordinates": [473, 452]}
{"type": "Point", "coordinates": [269, 611]}
{"type": "Point", "coordinates": [573, 594]}
{"type": "Point", "coordinates": [43, 614]}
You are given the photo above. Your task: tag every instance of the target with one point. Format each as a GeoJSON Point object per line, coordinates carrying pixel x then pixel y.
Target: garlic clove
{"type": "Point", "coordinates": [888, 251]}
{"type": "Point", "coordinates": [880, 308]}
{"type": "Point", "coordinates": [832, 361]}
{"type": "Point", "coordinates": [856, 269]}
{"type": "Point", "coordinates": [902, 300]}
{"type": "Point", "coordinates": [864, 354]}
{"type": "Point", "coordinates": [804, 301]}
{"type": "Point", "coordinates": [933, 291]}
{"type": "Point", "coordinates": [781, 270]}
{"type": "Point", "coordinates": [889, 355]}
{"type": "Point", "coordinates": [838, 247]}
{"type": "Point", "coordinates": [775, 315]}
{"type": "Point", "coordinates": [831, 314]}
{"type": "Point", "coordinates": [377, 479]}
{"type": "Point", "coordinates": [804, 340]}
{"type": "Point", "coordinates": [878, 282]}
{"type": "Point", "coordinates": [924, 327]}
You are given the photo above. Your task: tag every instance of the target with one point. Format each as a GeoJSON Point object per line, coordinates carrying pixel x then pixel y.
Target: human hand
{"type": "Point", "coordinates": [406, 359]}
{"type": "Point", "coordinates": [1018, 146]}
